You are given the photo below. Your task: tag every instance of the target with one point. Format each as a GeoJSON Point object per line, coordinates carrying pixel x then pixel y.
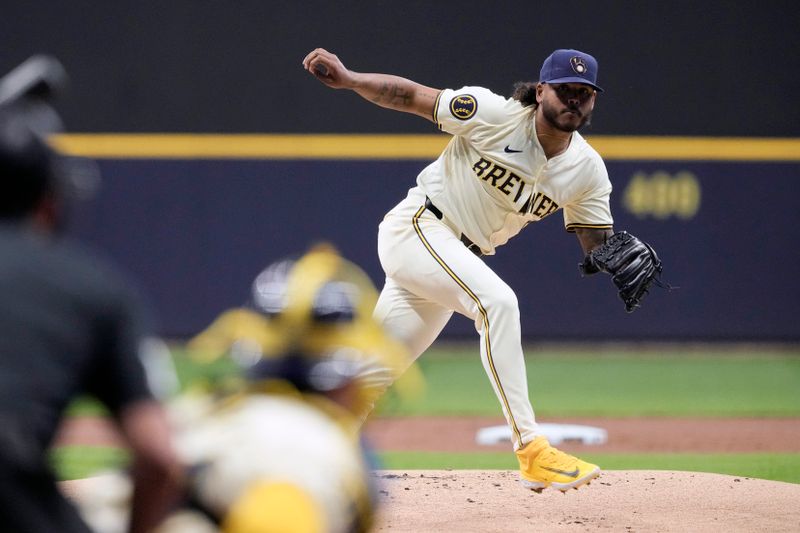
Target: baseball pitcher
{"type": "Point", "coordinates": [511, 162]}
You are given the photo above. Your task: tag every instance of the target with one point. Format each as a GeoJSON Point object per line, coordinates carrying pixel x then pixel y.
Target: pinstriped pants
{"type": "Point", "coordinates": [429, 275]}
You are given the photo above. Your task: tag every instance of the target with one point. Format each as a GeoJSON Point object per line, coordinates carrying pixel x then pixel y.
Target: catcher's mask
{"type": "Point", "coordinates": [308, 322]}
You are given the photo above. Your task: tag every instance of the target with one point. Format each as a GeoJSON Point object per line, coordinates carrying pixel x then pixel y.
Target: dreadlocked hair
{"type": "Point", "coordinates": [525, 93]}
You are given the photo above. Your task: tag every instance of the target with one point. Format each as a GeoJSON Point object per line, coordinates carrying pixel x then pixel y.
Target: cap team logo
{"type": "Point", "coordinates": [463, 106]}
{"type": "Point", "coordinates": [578, 65]}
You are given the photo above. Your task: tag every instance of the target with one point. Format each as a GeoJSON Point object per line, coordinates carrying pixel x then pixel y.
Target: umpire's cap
{"type": "Point", "coordinates": [27, 168]}
{"type": "Point", "coordinates": [31, 170]}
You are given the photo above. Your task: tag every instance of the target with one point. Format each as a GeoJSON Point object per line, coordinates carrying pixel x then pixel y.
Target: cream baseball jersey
{"type": "Point", "coordinates": [493, 177]}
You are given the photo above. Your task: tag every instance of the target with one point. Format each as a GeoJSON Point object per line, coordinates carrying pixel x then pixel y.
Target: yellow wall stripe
{"type": "Point", "coordinates": [697, 148]}
{"type": "Point", "coordinates": [266, 146]}
{"type": "Point", "coordinates": [357, 146]}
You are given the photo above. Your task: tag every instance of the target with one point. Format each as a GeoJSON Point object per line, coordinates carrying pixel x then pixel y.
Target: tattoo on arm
{"type": "Point", "coordinates": [393, 95]}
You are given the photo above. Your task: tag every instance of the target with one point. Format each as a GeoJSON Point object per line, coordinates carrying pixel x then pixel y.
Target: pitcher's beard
{"type": "Point", "coordinates": [553, 118]}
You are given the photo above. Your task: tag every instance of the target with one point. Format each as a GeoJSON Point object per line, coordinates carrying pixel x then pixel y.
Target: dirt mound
{"type": "Point", "coordinates": [494, 501]}
{"type": "Point", "coordinates": [475, 501]}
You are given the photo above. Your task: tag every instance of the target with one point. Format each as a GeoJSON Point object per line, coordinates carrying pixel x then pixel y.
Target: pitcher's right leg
{"type": "Point", "coordinates": [414, 321]}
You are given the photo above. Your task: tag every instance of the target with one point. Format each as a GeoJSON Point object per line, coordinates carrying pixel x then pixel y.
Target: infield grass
{"type": "Point", "coordinates": [617, 383]}
{"type": "Point", "coordinates": [609, 382]}
{"type": "Point", "coordinates": [75, 462]}
{"type": "Point", "coordinates": [605, 381]}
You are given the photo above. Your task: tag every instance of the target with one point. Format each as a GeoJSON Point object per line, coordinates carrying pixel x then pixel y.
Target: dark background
{"type": "Point", "coordinates": [676, 67]}
{"type": "Point", "coordinates": [196, 232]}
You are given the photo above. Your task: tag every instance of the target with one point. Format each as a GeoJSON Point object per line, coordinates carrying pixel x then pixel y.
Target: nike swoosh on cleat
{"type": "Point", "coordinates": [510, 150]}
{"type": "Point", "coordinates": [574, 473]}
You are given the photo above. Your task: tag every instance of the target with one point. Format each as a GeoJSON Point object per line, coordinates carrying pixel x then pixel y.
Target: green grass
{"type": "Point", "coordinates": [773, 466]}
{"type": "Point", "coordinates": [76, 462]}
{"type": "Point", "coordinates": [621, 384]}
{"type": "Point", "coordinates": [607, 382]}
{"type": "Point", "coordinates": [604, 382]}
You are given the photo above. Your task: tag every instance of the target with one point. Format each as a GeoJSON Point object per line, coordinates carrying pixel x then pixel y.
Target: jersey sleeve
{"type": "Point", "coordinates": [469, 111]}
{"type": "Point", "coordinates": [592, 209]}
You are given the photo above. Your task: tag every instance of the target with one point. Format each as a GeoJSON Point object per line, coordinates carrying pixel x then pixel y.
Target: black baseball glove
{"type": "Point", "coordinates": [633, 266]}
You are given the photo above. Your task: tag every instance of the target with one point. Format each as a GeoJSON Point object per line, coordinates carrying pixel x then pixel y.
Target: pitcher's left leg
{"type": "Point", "coordinates": [463, 282]}
{"type": "Point", "coordinates": [494, 307]}
{"type": "Point", "coordinates": [498, 322]}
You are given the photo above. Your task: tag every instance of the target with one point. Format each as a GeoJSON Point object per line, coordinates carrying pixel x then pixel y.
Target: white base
{"type": "Point", "coordinates": [555, 433]}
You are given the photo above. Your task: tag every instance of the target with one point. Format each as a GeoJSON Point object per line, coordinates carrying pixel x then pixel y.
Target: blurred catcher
{"type": "Point", "coordinates": [282, 451]}
{"type": "Point", "coordinates": [275, 446]}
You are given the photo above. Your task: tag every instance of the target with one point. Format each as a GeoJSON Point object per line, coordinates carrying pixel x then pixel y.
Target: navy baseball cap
{"type": "Point", "coordinates": [570, 66]}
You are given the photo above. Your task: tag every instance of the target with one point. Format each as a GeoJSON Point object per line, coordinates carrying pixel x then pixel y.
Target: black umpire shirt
{"type": "Point", "coordinates": [68, 325]}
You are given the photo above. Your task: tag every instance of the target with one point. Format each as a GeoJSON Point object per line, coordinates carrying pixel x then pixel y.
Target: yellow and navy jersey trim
{"type": "Point", "coordinates": [436, 110]}
{"type": "Point", "coordinates": [572, 227]}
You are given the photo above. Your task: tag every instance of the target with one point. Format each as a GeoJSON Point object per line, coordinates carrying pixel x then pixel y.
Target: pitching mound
{"type": "Point", "coordinates": [494, 501]}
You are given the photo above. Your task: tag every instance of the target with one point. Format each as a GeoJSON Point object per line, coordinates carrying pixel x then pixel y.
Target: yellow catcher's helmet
{"type": "Point", "coordinates": [309, 322]}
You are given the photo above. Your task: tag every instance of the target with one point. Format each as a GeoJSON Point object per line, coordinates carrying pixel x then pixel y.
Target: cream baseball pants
{"type": "Point", "coordinates": [429, 275]}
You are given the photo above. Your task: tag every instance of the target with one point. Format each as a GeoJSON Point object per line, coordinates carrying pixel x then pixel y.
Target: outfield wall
{"type": "Point", "coordinates": [195, 218]}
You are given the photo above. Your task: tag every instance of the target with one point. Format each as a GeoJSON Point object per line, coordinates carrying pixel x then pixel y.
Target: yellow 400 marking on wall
{"type": "Point", "coordinates": [661, 195]}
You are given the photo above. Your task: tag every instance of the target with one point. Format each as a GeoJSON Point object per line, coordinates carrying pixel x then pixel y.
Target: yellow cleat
{"type": "Point", "coordinates": [543, 466]}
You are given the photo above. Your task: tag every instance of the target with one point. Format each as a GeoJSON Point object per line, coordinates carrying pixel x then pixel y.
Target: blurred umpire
{"type": "Point", "coordinates": [69, 324]}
